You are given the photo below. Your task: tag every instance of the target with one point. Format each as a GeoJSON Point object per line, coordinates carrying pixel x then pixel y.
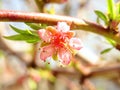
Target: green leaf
{"type": "Point", "coordinates": [20, 37]}
{"type": "Point", "coordinates": [111, 9]}
{"type": "Point", "coordinates": [35, 26]}
{"type": "Point", "coordinates": [15, 37]}
{"type": "Point", "coordinates": [118, 18]}
{"type": "Point", "coordinates": [118, 8]}
{"type": "Point", "coordinates": [102, 16]}
{"type": "Point", "coordinates": [24, 32]}
{"type": "Point", "coordinates": [32, 41]}
{"type": "Point", "coordinates": [110, 41]}
{"type": "Point", "coordinates": [98, 20]}
{"type": "Point", "coordinates": [106, 50]}
{"type": "Point", "coordinates": [20, 30]}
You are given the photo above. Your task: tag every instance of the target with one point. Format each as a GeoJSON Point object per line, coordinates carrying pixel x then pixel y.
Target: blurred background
{"type": "Point", "coordinates": [21, 68]}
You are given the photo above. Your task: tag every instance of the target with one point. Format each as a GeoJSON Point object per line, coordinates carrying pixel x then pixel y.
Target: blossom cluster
{"type": "Point", "coordinates": [58, 43]}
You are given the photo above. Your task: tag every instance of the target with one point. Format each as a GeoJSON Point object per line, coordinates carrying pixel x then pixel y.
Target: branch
{"type": "Point", "coordinates": [113, 68]}
{"type": "Point", "coordinates": [75, 23]}
{"type": "Point", "coordinates": [92, 72]}
{"type": "Point", "coordinates": [35, 17]}
{"type": "Point", "coordinates": [53, 19]}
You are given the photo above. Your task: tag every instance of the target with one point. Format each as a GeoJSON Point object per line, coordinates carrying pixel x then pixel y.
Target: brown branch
{"type": "Point", "coordinates": [113, 68]}
{"type": "Point", "coordinates": [35, 17]}
{"type": "Point", "coordinates": [96, 71]}
{"type": "Point", "coordinates": [53, 19]}
{"type": "Point", "coordinates": [117, 47]}
{"type": "Point", "coordinates": [86, 72]}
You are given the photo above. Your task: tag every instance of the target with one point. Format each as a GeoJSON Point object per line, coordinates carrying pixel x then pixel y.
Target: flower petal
{"type": "Point", "coordinates": [75, 43]}
{"type": "Point", "coordinates": [46, 51]}
{"type": "Point", "coordinates": [44, 35]}
{"type": "Point", "coordinates": [64, 56]}
{"type": "Point", "coordinates": [63, 27]}
{"type": "Point", "coordinates": [69, 34]}
{"type": "Point", "coordinates": [51, 29]}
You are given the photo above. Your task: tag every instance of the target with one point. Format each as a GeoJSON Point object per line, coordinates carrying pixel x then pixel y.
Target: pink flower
{"type": "Point", "coordinates": [58, 41]}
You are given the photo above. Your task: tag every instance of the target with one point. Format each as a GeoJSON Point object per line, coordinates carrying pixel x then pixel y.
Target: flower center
{"type": "Point", "coordinates": [59, 39]}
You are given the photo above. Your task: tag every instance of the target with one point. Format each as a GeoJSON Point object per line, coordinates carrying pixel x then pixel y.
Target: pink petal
{"type": "Point", "coordinates": [44, 35]}
{"type": "Point", "coordinates": [64, 56]}
{"type": "Point", "coordinates": [63, 27]}
{"type": "Point", "coordinates": [75, 43]}
{"type": "Point", "coordinates": [46, 52]}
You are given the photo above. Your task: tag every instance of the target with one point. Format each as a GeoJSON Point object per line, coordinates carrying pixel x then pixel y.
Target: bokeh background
{"type": "Point", "coordinates": [21, 68]}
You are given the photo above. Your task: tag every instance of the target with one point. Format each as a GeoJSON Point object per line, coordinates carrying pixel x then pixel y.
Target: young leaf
{"type": "Point", "coordinates": [101, 16]}
{"type": "Point", "coordinates": [111, 9]}
{"type": "Point", "coordinates": [110, 41]}
{"type": "Point", "coordinates": [106, 50]}
{"type": "Point", "coordinates": [98, 20]}
{"type": "Point", "coordinates": [32, 41]}
{"type": "Point", "coordinates": [118, 8]}
{"type": "Point", "coordinates": [24, 32]}
{"type": "Point", "coordinates": [118, 18]}
{"type": "Point", "coordinates": [20, 37]}
{"type": "Point", "coordinates": [19, 30]}
{"type": "Point", "coordinates": [35, 26]}
{"type": "Point", "coordinates": [15, 37]}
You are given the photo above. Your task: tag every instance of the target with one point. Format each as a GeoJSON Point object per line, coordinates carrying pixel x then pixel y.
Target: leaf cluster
{"type": "Point", "coordinates": [113, 13]}
{"type": "Point", "coordinates": [111, 20]}
{"type": "Point", "coordinates": [30, 36]}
